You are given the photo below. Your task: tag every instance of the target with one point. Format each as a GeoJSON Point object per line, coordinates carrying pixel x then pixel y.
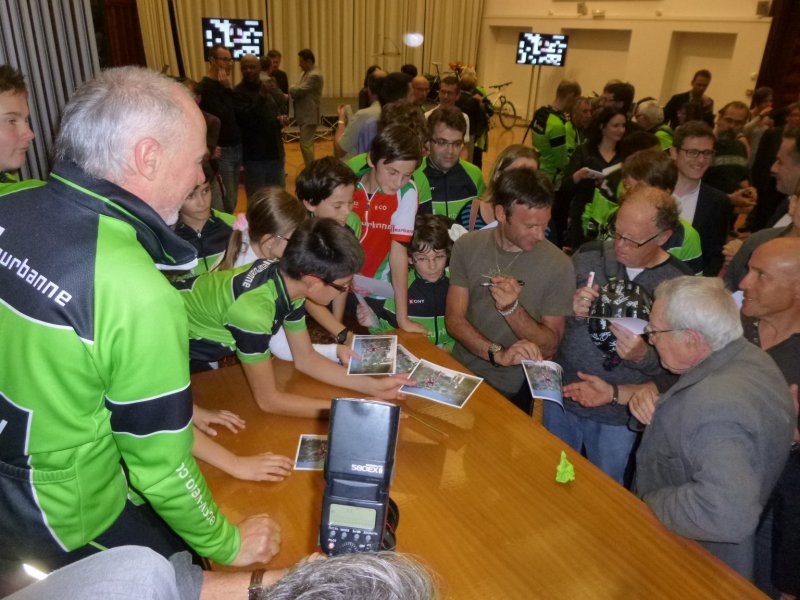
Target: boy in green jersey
{"type": "Point", "coordinates": [239, 311]}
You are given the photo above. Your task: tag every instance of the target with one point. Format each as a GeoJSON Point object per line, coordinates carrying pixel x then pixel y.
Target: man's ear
{"type": "Point", "coordinates": [309, 207]}
{"type": "Point", "coordinates": [673, 153]}
{"type": "Point", "coordinates": [499, 213]}
{"type": "Point", "coordinates": [147, 157]}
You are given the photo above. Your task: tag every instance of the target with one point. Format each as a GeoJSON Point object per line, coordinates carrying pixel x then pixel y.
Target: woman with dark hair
{"type": "Point", "coordinates": [584, 171]}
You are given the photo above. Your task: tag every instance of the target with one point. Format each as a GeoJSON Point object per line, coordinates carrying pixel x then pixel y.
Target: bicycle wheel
{"type": "Point", "coordinates": [507, 114]}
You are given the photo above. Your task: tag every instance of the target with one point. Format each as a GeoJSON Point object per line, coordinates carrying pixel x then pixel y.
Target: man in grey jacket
{"type": "Point", "coordinates": [719, 437]}
{"type": "Point", "coordinates": [307, 94]}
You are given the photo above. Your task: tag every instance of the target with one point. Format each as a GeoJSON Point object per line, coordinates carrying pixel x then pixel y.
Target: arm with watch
{"type": "Point", "coordinates": [546, 334]}
{"type": "Point", "coordinates": [593, 391]}
{"type": "Point", "coordinates": [468, 336]}
{"type": "Point", "coordinates": [326, 319]}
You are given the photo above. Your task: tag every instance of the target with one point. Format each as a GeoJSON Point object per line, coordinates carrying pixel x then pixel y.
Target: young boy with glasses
{"type": "Point", "coordinates": [428, 283]}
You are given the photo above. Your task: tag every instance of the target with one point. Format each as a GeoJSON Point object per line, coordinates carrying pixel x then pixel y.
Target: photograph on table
{"type": "Point", "coordinates": [442, 385]}
{"type": "Point", "coordinates": [311, 452]}
{"type": "Point", "coordinates": [377, 355]}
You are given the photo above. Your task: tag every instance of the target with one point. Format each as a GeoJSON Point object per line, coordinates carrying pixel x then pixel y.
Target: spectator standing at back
{"type": "Point", "coordinates": [706, 208]}
{"type": "Point", "coordinates": [274, 71]}
{"type": "Point", "coordinates": [307, 94]}
{"type": "Point", "coordinates": [449, 93]}
{"type": "Point", "coordinates": [549, 127]}
{"type": "Point", "coordinates": [259, 117]}
{"type": "Point", "coordinates": [700, 83]}
{"type": "Point", "coordinates": [216, 97]}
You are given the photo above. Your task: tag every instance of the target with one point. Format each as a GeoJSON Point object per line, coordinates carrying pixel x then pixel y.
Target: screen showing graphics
{"type": "Point", "coordinates": [241, 36]}
{"type": "Point", "coordinates": [542, 49]}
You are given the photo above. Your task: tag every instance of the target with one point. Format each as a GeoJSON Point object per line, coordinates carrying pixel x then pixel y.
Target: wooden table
{"type": "Point", "coordinates": [478, 500]}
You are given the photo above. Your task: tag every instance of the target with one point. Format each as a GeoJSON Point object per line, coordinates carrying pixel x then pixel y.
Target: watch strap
{"type": "Point", "coordinates": [255, 587]}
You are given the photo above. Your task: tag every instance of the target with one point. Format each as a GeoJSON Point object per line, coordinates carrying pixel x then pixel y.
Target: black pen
{"type": "Point", "coordinates": [489, 284]}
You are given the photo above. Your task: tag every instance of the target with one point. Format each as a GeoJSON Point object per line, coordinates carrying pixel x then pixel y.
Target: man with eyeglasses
{"type": "Point", "coordinates": [217, 98]}
{"type": "Point", "coordinates": [454, 183]}
{"type": "Point", "coordinates": [708, 210]}
{"type": "Point", "coordinates": [598, 383]}
{"type": "Point", "coordinates": [729, 171]}
{"type": "Point", "coordinates": [719, 437]}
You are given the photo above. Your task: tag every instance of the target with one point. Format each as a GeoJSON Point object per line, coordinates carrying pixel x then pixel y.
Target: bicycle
{"type": "Point", "coordinates": [502, 107]}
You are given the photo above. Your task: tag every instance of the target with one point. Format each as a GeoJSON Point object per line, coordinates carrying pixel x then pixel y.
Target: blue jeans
{"type": "Point", "coordinates": [230, 163]}
{"type": "Point", "coordinates": [258, 173]}
{"type": "Point", "coordinates": [606, 446]}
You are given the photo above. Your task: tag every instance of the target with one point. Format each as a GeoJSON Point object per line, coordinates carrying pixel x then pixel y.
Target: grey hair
{"type": "Point", "coordinates": [703, 305]}
{"type": "Point", "coordinates": [107, 116]}
{"type": "Point", "coordinates": [653, 112]}
{"type": "Point", "coordinates": [378, 576]}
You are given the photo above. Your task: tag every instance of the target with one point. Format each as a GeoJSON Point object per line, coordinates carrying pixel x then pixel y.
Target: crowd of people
{"type": "Point", "coordinates": [617, 209]}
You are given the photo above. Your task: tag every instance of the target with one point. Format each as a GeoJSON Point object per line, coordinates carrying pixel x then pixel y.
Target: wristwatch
{"type": "Point", "coordinates": [255, 587]}
{"type": "Point", "coordinates": [493, 349]}
{"type": "Point", "coordinates": [341, 337]}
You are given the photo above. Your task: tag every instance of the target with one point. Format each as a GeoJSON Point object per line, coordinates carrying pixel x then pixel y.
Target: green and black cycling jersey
{"type": "Point", "coordinates": [210, 242]}
{"type": "Point", "coordinates": [239, 311]}
{"type": "Point", "coordinates": [426, 305]}
{"type": "Point", "coordinates": [94, 372]}
{"type": "Point", "coordinates": [550, 139]}
{"type": "Point", "coordinates": [452, 192]}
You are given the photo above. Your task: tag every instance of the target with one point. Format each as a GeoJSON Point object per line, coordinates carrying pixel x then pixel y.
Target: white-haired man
{"type": "Point", "coordinates": [95, 405]}
{"type": "Point", "coordinates": [719, 437]}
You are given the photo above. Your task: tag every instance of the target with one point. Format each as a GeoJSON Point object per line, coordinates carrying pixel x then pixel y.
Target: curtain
{"type": "Point", "coordinates": [346, 36]}
{"type": "Point", "coordinates": [52, 44]}
{"type": "Point", "coordinates": [159, 47]}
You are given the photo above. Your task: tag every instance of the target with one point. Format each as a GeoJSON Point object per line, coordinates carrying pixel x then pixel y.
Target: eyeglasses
{"type": "Point", "coordinates": [339, 288]}
{"type": "Point", "coordinates": [612, 232]}
{"type": "Point", "coordinates": [445, 143]}
{"type": "Point", "coordinates": [223, 58]}
{"type": "Point", "coordinates": [651, 333]}
{"type": "Point", "coordinates": [693, 153]}
{"type": "Point", "coordinates": [283, 237]}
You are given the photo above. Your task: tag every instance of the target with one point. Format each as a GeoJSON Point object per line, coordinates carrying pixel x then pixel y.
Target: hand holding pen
{"type": "Point", "coordinates": [505, 291]}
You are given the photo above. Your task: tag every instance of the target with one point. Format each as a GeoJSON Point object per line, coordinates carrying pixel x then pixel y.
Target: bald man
{"type": "Point", "coordinates": [771, 319]}
{"type": "Point", "coordinates": [420, 86]}
{"type": "Point", "coordinates": [259, 118]}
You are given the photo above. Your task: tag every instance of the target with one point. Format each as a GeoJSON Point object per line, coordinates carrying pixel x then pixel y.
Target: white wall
{"type": "Point", "coordinates": [655, 44]}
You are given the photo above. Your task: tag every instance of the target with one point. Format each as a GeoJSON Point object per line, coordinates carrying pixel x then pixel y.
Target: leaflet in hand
{"type": "Point", "coordinates": [378, 355]}
{"type": "Point", "coordinates": [405, 360]}
{"type": "Point", "coordinates": [632, 324]}
{"type": "Point", "coordinates": [544, 380]}
{"type": "Point", "coordinates": [372, 287]}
